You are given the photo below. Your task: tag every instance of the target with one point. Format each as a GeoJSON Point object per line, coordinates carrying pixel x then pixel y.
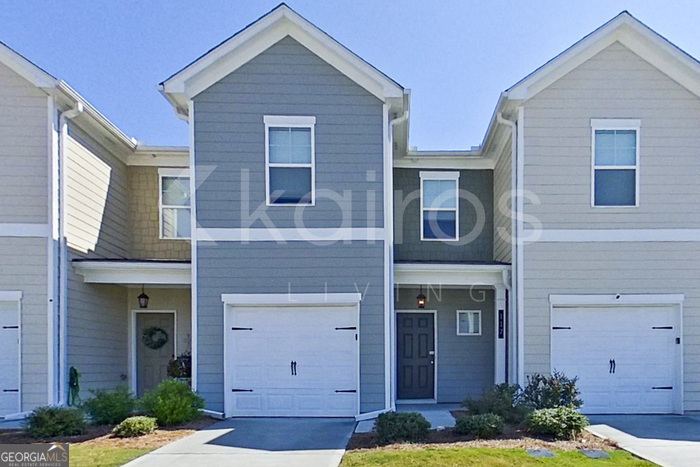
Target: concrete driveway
{"type": "Point", "coordinates": [667, 440]}
{"type": "Point", "coordinates": [258, 442]}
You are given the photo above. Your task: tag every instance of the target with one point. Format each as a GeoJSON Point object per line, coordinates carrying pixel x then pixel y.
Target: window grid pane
{"type": "Point", "coordinates": [615, 187]}
{"type": "Point", "coordinates": [176, 191]}
{"type": "Point", "coordinates": [176, 223]}
{"type": "Point", "coordinates": [469, 322]}
{"type": "Point", "coordinates": [615, 147]}
{"type": "Point", "coordinates": [290, 145]}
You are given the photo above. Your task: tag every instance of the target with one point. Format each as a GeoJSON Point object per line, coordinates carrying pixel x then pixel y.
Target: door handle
{"type": "Point", "coordinates": [293, 367]}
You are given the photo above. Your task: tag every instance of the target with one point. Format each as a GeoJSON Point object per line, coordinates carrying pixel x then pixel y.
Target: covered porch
{"type": "Point", "coordinates": [452, 327]}
{"type": "Point", "coordinates": [154, 323]}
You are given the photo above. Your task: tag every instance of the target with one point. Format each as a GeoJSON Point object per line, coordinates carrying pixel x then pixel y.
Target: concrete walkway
{"type": "Point", "coordinates": [437, 414]}
{"type": "Point", "coordinates": [667, 440]}
{"type": "Point", "coordinates": [243, 442]}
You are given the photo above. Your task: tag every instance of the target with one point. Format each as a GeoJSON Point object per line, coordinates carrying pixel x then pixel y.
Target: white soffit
{"type": "Point", "coordinates": [628, 31]}
{"type": "Point", "coordinates": [134, 272]}
{"type": "Point", "coordinates": [260, 36]}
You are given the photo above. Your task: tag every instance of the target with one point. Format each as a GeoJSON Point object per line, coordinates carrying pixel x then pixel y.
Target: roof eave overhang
{"type": "Point", "coordinates": [247, 44]}
{"type": "Point", "coordinates": [134, 272]}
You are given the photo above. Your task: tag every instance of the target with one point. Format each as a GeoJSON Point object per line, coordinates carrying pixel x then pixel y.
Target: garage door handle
{"type": "Point", "coordinates": [612, 366]}
{"type": "Point", "coordinates": [293, 367]}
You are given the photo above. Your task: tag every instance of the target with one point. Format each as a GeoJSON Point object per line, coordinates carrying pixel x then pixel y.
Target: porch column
{"type": "Point", "coordinates": [500, 337]}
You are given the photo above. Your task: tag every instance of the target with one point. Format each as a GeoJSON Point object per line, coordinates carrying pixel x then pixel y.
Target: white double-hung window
{"type": "Point", "coordinates": [289, 160]}
{"type": "Point", "coordinates": [439, 206]}
{"type": "Point", "coordinates": [174, 204]}
{"type": "Point", "coordinates": [615, 164]}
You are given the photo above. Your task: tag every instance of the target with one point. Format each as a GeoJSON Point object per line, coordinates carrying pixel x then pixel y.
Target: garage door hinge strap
{"type": "Point", "coordinates": [560, 327]}
{"type": "Point", "coordinates": [241, 390]}
{"type": "Point", "coordinates": [346, 390]}
{"type": "Point", "coordinates": [352, 328]}
{"type": "Point", "coordinates": [10, 390]}
{"type": "Point", "coordinates": [10, 327]}
{"type": "Point", "coordinates": [662, 327]}
{"type": "Point", "coordinates": [662, 387]}
{"type": "Point", "coordinates": [241, 329]}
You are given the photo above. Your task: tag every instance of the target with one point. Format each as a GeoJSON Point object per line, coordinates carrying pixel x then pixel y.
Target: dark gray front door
{"type": "Point", "coordinates": [416, 355]}
{"type": "Point", "coordinates": [152, 364]}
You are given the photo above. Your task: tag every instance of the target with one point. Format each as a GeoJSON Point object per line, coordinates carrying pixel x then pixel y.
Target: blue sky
{"type": "Point", "coordinates": [455, 56]}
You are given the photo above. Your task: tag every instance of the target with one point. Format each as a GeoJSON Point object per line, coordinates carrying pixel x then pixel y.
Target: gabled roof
{"type": "Point", "coordinates": [260, 35]}
{"type": "Point", "coordinates": [630, 32]}
{"type": "Point", "coordinates": [25, 68]}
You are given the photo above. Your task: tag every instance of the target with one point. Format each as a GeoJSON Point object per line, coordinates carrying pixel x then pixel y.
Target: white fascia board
{"type": "Point", "coordinates": [261, 35]}
{"type": "Point", "coordinates": [160, 156]}
{"type": "Point", "coordinates": [12, 296]}
{"type": "Point", "coordinates": [450, 274]}
{"type": "Point", "coordinates": [631, 33]}
{"type": "Point", "coordinates": [615, 299]}
{"type": "Point", "coordinates": [107, 272]}
{"type": "Point", "coordinates": [292, 299]}
{"type": "Point", "coordinates": [26, 69]}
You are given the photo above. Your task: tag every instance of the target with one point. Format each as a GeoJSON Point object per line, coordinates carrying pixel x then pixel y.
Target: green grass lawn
{"type": "Point", "coordinates": [481, 457]}
{"type": "Point", "coordinates": [103, 456]}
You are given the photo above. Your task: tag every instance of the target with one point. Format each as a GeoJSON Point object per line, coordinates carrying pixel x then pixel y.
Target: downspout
{"type": "Point", "coordinates": [515, 278]}
{"type": "Point", "coordinates": [62, 318]}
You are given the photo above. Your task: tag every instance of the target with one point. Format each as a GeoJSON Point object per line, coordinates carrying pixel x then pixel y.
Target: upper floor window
{"type": "Point", "coordinates": [289, 160]}
{"type": "Point", "coordinates": [439, 206]}
{"type": "Point", "coordinates": [174, 204]}
{"type": "Point", "coordinates": [615, 163]}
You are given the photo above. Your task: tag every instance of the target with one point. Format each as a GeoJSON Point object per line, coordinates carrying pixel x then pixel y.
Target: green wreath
{"type": "Point", "coordinates": [154, 337]}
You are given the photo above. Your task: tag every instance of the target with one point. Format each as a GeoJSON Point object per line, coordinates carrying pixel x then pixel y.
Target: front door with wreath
{"type": "Point", "coordinates": [155, 346]}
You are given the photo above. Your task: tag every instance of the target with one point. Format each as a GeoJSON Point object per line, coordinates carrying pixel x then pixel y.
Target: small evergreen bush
{"type": "Point", "coordinates": [47, 422]}
{"type": "Point", "coordinates": [401, 426]}
{"type": "Point", "coordinates": [110, 407]}
{"type": "Point", "coordinates": [485, 425]}
{"type": "Point", "coordinates": [501, 400]}
{"type": "Point", "coordinates": [172, 403]}
{"type": "Point", "coordinates": [560, 422]}
{"type": "Point", "coordinates": [135, 426]}
{"type": "Point", "coordinates": [550, 391]}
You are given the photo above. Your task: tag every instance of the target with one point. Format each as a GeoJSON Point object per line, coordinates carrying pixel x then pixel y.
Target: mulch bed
{"type": "Point", "coordinates": [512, 437]}
{"type": "Point", "coordinates": [102, 435]}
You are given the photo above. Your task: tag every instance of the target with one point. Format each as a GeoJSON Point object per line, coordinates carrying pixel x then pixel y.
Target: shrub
{"type": "Point", "coordinates": [486, 425]}
{"type": "Point", "coordinates": [560, 422]}
{"type": "Point", "coordinates": [135, 426]}
{"type": "Point", "coordinates": [401, 426]}
{"type": "Point", "coordinates": [501, 400]}
{"type": "Point", "coordinates": [172, 403]}
{"type": "Point", "coordinates": [47, 422]}
{"type": "Point", "coordinates": [550, 391]}
{"type": "Point", "coordinates": [110, 407]}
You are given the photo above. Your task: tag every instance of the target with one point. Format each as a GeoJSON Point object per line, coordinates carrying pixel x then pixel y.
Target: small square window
{"type": "Point", "coordinates": [468, 322]}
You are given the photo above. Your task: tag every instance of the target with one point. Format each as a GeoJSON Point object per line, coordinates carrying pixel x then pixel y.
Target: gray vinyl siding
{"type": "Point", "coordinates": [24, 150]}
{"type": "Point", "coordinates": [611, 268]}
{"type": "Point", "coordinates": [24, 268]}
{"type": "Point", "coordinates": [97, 226]}
{"type": "Point", "coordinates": [615, 83]}
{"type": "Point", "coordinates": [297, 267]}
{"type": "Point", "coordinates": [465, 364]}
{"type": "Point", "coordinates": [288, 79]}
{"type": "Point", "coordinates": [502, 205]}
{"type": "Point", "coordinates": [407, 243]}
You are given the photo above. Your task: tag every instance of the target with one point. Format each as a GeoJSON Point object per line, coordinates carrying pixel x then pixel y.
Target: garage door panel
{"type": "Point", "coordinates": [642, 343]}
{"type": "Point", "coordinates": [260, 359]}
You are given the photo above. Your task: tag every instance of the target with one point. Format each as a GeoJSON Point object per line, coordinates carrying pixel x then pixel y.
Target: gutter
{"type": "Point", "coordinates": [62, 295]}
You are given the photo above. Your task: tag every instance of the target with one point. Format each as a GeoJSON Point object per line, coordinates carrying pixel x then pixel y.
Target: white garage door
{"type": "Point", "coordinates": [627, 358]}
{"type": "Point", "coordinates": [292, 361]}
{"type": "Point", "coordinates": [9, 361]}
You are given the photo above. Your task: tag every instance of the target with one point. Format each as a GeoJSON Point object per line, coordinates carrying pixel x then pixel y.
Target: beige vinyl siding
{"type": "Point", "coordinates": [144, 217]}
{"type": "Point", "coordinates": [502, 215]}
{"type": "Point", "coordinates": [616, 83]}
{"type": "Point", "coordinates": [97, 205]}
{"type": "Point", "coordinates": [24, 268]}
{"type": "Point", "coordinates": [611, 268]}
{"type": "Point", "coordinates": [24, 150]}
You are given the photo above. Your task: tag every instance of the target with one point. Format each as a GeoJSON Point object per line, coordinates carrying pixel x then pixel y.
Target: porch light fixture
{"type": "Point", "coordinates": [421, 298]}
{"type": "Point", "coordinates": [143, 299]}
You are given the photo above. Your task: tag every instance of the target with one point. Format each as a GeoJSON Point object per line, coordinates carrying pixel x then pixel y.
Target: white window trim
{"type": "Point", "coordinates": [615, 124]}
{"type": "Point", "coordinates": [283, 121]}
{"type": "Point", "coordinates": [478, 312]}
{"type": "Point", "coordinates": [429, 175]}
{"type": "Point", "coordinates": [170, 172]}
